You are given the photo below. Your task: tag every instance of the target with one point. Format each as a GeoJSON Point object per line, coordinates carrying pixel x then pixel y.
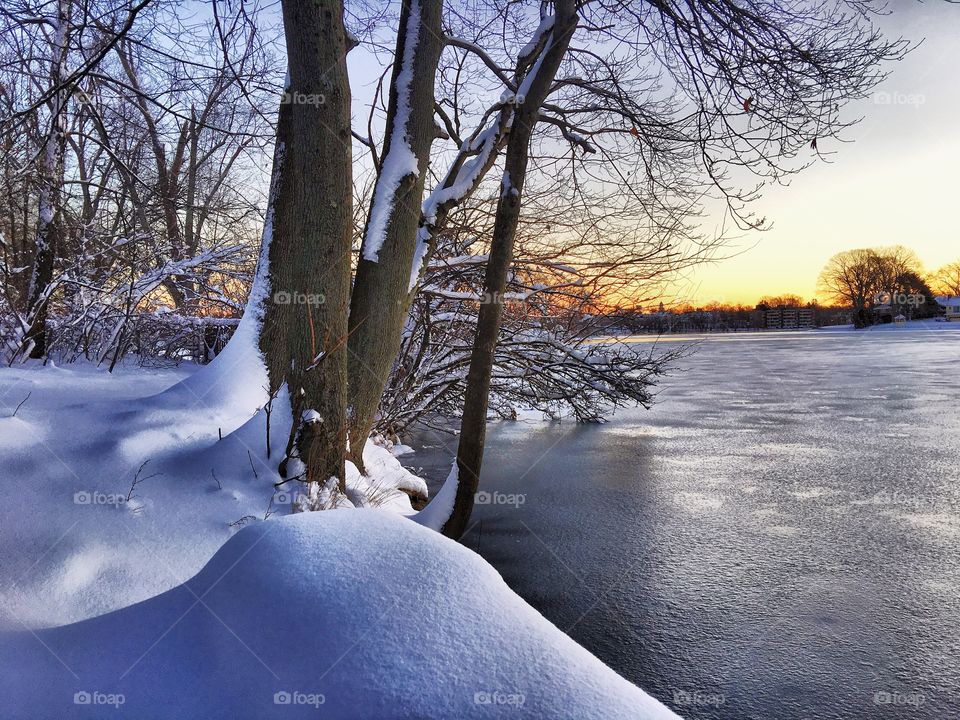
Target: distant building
{"type": "Point", "coordinates": [785, 318]}
{"type": "Point", "coordinates": [950, 305]}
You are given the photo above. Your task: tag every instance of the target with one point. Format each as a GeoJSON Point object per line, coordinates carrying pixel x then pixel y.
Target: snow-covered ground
{"type": "Point", "coordinates": [117, 490]}
{"type": "Point", "coordinates": [340, 614]}
{"type": "Point", "coordinates": [78, 538]}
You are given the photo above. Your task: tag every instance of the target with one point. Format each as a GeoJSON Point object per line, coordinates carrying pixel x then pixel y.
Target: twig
{"type": "Point", "coordinates": [270, 510]}
{"type": "Point", "coordinates": [137, 480]}
{"type": "Point", "coordinates": [21, 403]}
{"type": "Point", "coordinates": [243, 521]}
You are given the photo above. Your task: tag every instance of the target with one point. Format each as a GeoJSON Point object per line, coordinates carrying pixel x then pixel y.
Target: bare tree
{"type": "Point", "coordinates": [947, 279]}
{"type": "Point", "coordinates": [704, 50]}
{"type": "Point", "coordinates": [578, 142]}
{"type": "Point", "coordinates": [156, 203]}
{"type": "Point", "coordinates": [533, 88]}
{"type": "Point", "coordinates": [59, 37]}
{"type": "Point", "coordinates": [850, 278]}
{"type": "Point", "coordinates": [868, 278]}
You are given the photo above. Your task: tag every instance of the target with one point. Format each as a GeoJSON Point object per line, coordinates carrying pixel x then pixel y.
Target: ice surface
{"type": "Point", "coordinates": [835, 543]}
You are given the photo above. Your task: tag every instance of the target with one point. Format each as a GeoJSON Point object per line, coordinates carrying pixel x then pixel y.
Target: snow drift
{"type": "Point", "coordinates": [353, 614]}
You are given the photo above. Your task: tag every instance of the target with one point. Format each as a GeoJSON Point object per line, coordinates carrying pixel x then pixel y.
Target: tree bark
{"type": "Point", "coordinates": [303, 337]}
{"type": "Point", "coordinates": [532, 93]}
{"type": "Point", "coordinates": [381, 291]}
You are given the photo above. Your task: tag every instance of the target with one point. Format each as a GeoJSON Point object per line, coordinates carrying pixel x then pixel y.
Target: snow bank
{"type": "Point", "coordinates": [387, 484]}
{"type": "Point", "coordinates": [334, 615]}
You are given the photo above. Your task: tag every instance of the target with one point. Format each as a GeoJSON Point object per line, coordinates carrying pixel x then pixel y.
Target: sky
{"type": "Point", "coordinates": [896, 183]}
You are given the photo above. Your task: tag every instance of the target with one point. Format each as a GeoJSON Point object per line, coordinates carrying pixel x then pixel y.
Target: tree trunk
{"type": "Point", "coordinates": [381, 290]}
{"type": "Point", "coordinates": [50, 175]}
{"type": "Point", "coordinates": [303, 337]}
{"type": "Point", "coordinates": [190, 240]}
{"type": "Point", "coordinates": [533, 90]}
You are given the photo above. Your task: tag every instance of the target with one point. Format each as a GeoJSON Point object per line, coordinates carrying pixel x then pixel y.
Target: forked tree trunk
{"type": "Point", "coordinates": [534, 91]}
{"type": "Point", "coordinates": [310, 222]}
{"type": "Point", "coordinates": [381, 291]}
{"type": "Point", "coordinates": [49, 234]}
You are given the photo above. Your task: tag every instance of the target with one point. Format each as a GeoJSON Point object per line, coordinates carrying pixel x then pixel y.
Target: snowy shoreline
{"type": "Point", "coordinates": [167, 580]}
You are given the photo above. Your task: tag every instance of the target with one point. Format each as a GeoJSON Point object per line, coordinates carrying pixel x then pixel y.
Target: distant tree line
{"type": "Point", "coordinates": [715, 316]}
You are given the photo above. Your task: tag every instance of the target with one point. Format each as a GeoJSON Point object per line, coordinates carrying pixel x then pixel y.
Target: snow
{"type": "Point", "coordinates": [69, 458]}
{"type": "Point", "coordinates": [401, 450]}
{"type": "Point", "coordinates": [438, 511]}
{"type": "Point", "coordinates": [506, 186]}
{"type": "Point", "coordinates": [528, 79]}
{"type": "Point", "coordinates": [400, 160]}
{"type": "Point", "coordinates": [546, 25]}
{"type": "Point", "coordinates": [311, 416]}
{"type": "Point", "coordinates": [455, 188]}
{"type": "Point", "coordinates": [340, 615]}
{"type": "Point", "coordinates": [460, 181]}
{"type": "Point", "coordinates": [387, 484]}
{"type": "Point", "coordinates": [363, 612]}
{"type": "Point", "coordinates": [478, 150]}
{"type": "Point", "coordinates": [419, 253]}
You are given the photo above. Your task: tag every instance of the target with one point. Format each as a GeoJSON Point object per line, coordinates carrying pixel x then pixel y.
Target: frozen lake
{"type": "Point", "coordinates": [779, 538]}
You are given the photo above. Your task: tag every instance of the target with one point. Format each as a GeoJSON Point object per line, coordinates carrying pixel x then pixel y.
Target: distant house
{"type": "Point", "coordinates": [950, 305]}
